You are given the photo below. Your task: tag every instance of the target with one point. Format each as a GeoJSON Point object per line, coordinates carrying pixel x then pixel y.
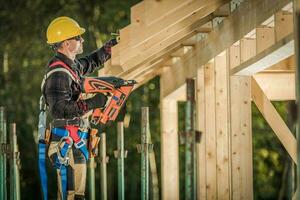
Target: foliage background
{"type": "Point", "coordinates": [23, 56]}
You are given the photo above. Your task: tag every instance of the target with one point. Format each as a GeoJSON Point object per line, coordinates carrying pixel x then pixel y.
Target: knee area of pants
{"type": "Point", "coordinates": [79, 197]}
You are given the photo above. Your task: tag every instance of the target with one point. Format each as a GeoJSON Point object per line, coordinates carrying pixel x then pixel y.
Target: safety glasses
{"type": "Point", "coordinates": [77, 38]}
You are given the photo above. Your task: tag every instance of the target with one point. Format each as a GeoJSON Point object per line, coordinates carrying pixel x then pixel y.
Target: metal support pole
{"type": "Point", "coordinates": [103, 162]}
{"type": "Point", "coordinates": [120, 154]}
{"type": "Point", "coordinates": [91, 178]}
{"type": "Point", "coordinates": [297, 55]}
{"type": "Point", "coordinates": [145, 154]}
{"type": "Point", "coordinates": [3, 154]}
{"type": "Point", "coordinates": [14, 164]}
{"type": "Point", "coordinates": [153, 168]}
{"type": "Point", "coordinates": [190, 146]}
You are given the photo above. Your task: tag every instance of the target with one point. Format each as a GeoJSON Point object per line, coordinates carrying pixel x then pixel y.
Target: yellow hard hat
{"type": "Point", "coordinates": [63, 28]}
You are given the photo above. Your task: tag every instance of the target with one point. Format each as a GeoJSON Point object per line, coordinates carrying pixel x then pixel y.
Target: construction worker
{"type": "Point", "coordinates": [62, 90]}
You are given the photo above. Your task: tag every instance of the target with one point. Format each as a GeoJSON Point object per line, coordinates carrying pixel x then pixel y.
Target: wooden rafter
{"type": "Point", "coordinates": [253, 12]}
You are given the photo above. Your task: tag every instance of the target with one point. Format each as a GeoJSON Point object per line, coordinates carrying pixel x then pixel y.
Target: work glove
{"type": "Point", "coordinates": [107, 46]}
{"type": "Point", "coordinates": [118, 82]}
{"type": "Point", "coordinates": [98, 101]}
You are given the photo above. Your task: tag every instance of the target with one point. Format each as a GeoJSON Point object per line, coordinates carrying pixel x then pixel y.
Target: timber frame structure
{"type": "Point", "coordinates": [238, 51]}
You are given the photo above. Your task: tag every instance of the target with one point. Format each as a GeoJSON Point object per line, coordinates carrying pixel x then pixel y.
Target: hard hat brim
{"type": "Point", "coordinates": [79, 32]}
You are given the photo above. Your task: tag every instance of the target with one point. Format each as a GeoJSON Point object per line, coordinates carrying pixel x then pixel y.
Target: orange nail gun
{"type": "Point", "coordinates": [119, 90]}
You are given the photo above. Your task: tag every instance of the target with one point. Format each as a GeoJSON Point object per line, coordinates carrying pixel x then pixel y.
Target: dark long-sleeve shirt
{"type": "Point", "coordinates": [62, 93]}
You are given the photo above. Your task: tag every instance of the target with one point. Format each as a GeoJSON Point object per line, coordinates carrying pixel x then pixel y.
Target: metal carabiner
{"type": "Point", "coordinates": [64, 159]}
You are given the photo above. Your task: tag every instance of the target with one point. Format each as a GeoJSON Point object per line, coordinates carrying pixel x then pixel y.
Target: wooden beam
{"type": "Point", "coordinates": [253, 14]}
{"type": "Point", "coordinates": [283, 24]}
{"type": "Point", "coordinates": [210, 131]}
{"type": "Point", "coordinates": [235, 55]}
{"type": "Point", "coordinates": [248, 48]}
{"type": "Point", "coordinates": [169, 149]}
{"type": "Point", "coordinates": [241, 138]}
{"type": "Point", "coordinates": [277, 86]}
{"type": "Point", "coordinates": [222, 125]}
{"type": "Point", "coordinates": [279, 127]}
{"type": "Point", "coordinates": [277, 52]}
{"type": "Point", "coordinates": [200, 125]}
{"type": "Point", "coordinates": [173, 28]}
{"type": "Point", "coordinates": [265, 37]}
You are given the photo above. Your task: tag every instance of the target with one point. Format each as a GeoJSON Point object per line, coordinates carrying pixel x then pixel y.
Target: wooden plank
{"type": "Point", "coordinates": [222, 125]}
{"type": "Point", "coordinates": [235, 55]}
{"type": "Point", "coordinates": [253, 14]}
{"type": "Point", "coordinates": [279, 127]}
{"type": "Point", "coordinates": [200, 125]}
{"type": "Point", "coordinates": [210, 131]}
{"type": "Point", "coordinates": [167, 33]}
{"type": "Point", "coordinates": [169, 149]}
{"type": "Point", "coordinates": [277, 52]}
{"type": "Point", "coordinates": [137, 13]}
{"type": "Point", "coordinates": [158, 10]}
{"type": "Point", "coordinates": [248, 48]}
{"type": "Point", "coordinates": [172, 18]}
{"type": "Point", "coordinates": [265, 37]}
{"type": "Point", "coordinates": [241, 138]}
{"type": "Point", "coordinates": [283, 24]}
{"type": "Point", "coordinates": [277, 86]}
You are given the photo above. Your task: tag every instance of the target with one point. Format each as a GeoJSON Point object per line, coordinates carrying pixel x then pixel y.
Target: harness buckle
{"type": "Point", "coordinates": [79, 144]}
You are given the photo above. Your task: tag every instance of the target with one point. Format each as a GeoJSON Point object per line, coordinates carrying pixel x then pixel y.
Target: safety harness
{"type": "Point", "coordinates": [68, 136]}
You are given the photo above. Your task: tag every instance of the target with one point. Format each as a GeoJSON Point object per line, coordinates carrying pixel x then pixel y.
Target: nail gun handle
{"type": "Point", "coordinates": [96, 116]}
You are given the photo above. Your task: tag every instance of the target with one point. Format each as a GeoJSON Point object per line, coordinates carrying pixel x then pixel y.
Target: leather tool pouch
{"type": "Point", "coordinates": [93, 143]}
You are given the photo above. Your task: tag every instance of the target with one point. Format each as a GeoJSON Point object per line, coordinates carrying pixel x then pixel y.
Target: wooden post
{"type": "Point", "coordinates": [297, 56]}
{"type": "Point", "coordinates": [240, 129]}
{"type": "Point", "coordinates": [169, 142]}
{"type": "Point", "coordinates": [200, 125]}
{"type": "Point", "coordinates": [169, 150]}
{"type": "Point", "coordinates": [222, 126]}
{"type": "Point", "coordinates": [210, 131]}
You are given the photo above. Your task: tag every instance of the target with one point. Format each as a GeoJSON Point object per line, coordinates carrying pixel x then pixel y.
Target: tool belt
{"type": "Point", "coordinates": [66, 122]}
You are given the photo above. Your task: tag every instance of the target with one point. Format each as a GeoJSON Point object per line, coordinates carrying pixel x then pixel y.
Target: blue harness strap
{"type": "Point", "coordinates": [42, 169]}
{"type": "Point", "coordinates": [61, 161]}
{"type": "Point", "coordinates": [63, 169]}
{"type": "Point", "coordinates": [79, 145]}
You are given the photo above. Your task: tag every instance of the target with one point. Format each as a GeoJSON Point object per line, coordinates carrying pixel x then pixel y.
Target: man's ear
{"type": "Point", "coordinates": [65, 44]}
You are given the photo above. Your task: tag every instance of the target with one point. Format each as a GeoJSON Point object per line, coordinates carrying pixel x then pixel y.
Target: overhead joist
{"type": "Point", "coordinates": [268, 57]}
{"type": "Point", "coordinates": [250, 14]}
{"type": "Point", "coordinates": [166, 32]}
